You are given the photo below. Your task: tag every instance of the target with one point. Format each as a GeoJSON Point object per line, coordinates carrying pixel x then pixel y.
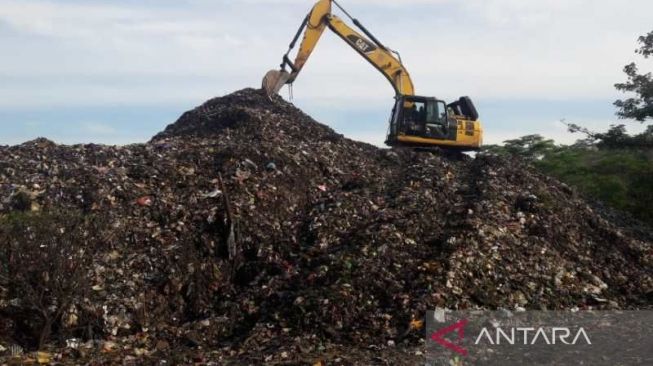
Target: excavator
{"type": "Point", "coordinates": [416, 121]}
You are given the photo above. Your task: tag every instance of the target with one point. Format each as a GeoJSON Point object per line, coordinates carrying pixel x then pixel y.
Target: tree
{"type": "Point", "coordinates": [639, 107]}
{"type": "Point", "coordinates": [615, 138]}
{"type": "Point", "coordinates": [530, 147]}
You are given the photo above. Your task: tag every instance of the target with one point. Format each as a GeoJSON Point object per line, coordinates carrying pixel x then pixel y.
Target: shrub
{"type": "Point", "coordinates": [45, 260]}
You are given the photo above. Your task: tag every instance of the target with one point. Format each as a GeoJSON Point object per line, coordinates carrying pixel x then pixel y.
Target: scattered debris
{"type": "Point", "coordinates": [333, 247]}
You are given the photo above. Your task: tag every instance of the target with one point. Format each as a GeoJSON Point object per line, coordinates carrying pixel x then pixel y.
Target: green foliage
{"type": "Point", "coordinates": [615, 138]}
{"type": "Point", "coordinates": [530, 147]}
{"type": "Point", "coordinates": [639, 107]}
{"type": "Point", "coordinates": [619, 176]}
{"type": "Point", "coordinates": [646, 48]}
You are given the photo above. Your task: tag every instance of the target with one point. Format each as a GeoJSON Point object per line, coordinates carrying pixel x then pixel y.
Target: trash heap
{"type": "Point", "coordinates": [251, 230]}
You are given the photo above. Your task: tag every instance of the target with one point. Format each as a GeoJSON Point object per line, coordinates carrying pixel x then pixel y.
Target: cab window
{"type": "Point", "coordinates": [436, 112]}
{"type": "Point", "coordinates": [432, 113]}
{"type": "Point", "coordinates": [416, 113]}
{"type": "Point", "coordinates": [442, 112]}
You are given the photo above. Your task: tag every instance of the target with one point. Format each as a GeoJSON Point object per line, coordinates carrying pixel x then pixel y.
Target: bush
{"type": "Point", "coordinates": [617, 170]}
{"type": "Point", "coordinates": [45, 260]}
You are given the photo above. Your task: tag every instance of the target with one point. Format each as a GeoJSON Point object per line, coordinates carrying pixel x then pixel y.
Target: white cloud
{"type": "Point", "coordinates": [57, 53]}
{"type": "Point", "coordinates": [489, 48]}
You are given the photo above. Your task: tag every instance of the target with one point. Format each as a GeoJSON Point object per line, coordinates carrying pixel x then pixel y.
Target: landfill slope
{"type": "Point", "coordinates": [314, 242]}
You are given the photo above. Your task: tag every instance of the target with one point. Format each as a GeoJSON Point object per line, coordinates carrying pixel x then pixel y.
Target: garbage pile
{"type": "Point", "coordinates": [251, 230]}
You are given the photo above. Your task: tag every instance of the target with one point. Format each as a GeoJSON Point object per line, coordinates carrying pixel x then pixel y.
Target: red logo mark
{"type": "Point", "coordinates": [460, 328]}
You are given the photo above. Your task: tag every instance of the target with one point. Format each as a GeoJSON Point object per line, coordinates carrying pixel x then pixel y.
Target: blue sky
{"type": "Point", "coordinates": [117, 72]}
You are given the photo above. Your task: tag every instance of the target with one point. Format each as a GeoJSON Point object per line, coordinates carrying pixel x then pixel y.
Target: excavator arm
{"type": "Point", "coordinates": [416, 120]}
{"type": "Point", "coordinates": [371, 49]}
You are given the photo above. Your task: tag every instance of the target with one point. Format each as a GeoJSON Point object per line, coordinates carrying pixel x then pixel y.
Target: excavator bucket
{"type": "Point", "coordinates": [274, 80]}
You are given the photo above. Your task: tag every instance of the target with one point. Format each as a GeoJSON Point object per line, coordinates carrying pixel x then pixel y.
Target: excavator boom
{"type": "Point", "coordinates": [370, 49]}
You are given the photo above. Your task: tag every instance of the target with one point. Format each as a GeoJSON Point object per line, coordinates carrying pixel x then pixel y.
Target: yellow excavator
{"type": "Point", "coordinates": [416, 120]}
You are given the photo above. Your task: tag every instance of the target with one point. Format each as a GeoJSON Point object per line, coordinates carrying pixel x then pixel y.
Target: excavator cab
{"type": "Point", "coordinates": [426, 122]}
